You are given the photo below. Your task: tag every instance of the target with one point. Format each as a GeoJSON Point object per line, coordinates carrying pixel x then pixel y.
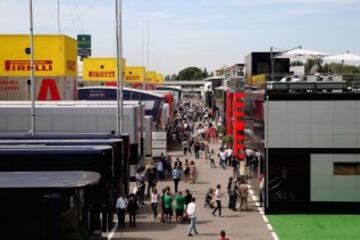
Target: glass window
{"type": "Point", "coordinates": [346, 168]}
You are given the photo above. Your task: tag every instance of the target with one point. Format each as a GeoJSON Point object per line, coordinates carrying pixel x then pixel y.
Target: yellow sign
{"type": "Point", "coordinates": [54, 55]}
{"type": "Point", "coordinates": [258, 80]}
{"type": "Point", "coordinates": [159, 78]}
{"type": "Point", "coordinates": [151, 77]}
{"type": "Point", "coordinates": [100, 69]}
{"type": "Point", "coordinates": [135, 74]}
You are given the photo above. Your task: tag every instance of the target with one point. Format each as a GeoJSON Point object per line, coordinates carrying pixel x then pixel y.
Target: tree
{"type": "Point", "coordinates": [198, 76]}
{"type": "Point", "coordinates": [309, 64]}
{"type": "Point", "coordinates": [297, 63]}
{"type": "Point", "coordinates": [173, 77]}
{"type": "Point", "coordinates": [189, 73]}
{"type": "Point", "coordinates": [205, 73]}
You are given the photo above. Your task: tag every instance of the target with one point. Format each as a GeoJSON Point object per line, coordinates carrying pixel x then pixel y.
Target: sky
{"type": "Point", "coordinates": [202, 33]}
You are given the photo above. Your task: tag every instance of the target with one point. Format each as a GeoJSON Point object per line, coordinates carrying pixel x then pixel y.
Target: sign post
{"type": "Point", "coordinates": [84, 45]}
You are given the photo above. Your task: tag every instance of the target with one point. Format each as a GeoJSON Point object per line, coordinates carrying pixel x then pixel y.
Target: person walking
{"type": "Point", "coordinates": [188, 197]}
{"type": "Point", "coordinates": [203, 154]}
{"type": "Point", "coordinates": [132, 208]}
{"type": "Point", "coordinates": [150, 175]}
{"type": "Point", "coordinates": [262, 190]}
{"type": "Point", "coordinates": [229, 156]}
{"type": "Point", "coordinates": [185, 147]}
{"type": "Point", "coordinates": [222, 157]}
{"type": "Point", "coordinates": [233, 194]}
{"type": "Point", "coordinates": [218, 200]}
{"type": "Point", "coordinates": [160, 169]}
{"type": "Point", "coordinates": [191, 212]}
{"type": "Point", "coordinates": [121, 204]}
{"type": "Point", "coordinates": [243, 193]}
{"type": "Point", "coordinates": [179, 207]}
{"type": "Point", "coordinates": [211, 158]}
{"type": "Point", "coordinates": [207, 150]}
{"type": "Point", "coordinates": [192, 172]}
{"type": "Point", "coordinates": [140, 183]}
{"type": "Point", "coordinates": [176, 176]}
{"type": "Point", "coordinates": [168, 199]}
{"type": "Point", "coordinates": [155, 198]}
{"type": "Point", "coordinates": [187, 171]}
{"type": "Point", "coordinates": [229, 190]}
{"type": "Point", "coordinates": [235, 167]}
{"type": "Point", "coordinates": [197, 149]}
{"type": "Point", "coordinates": [209, 198]}
{"type": "Point", "coordinates": [223, 235]}
{"type": "Point", "coordinates": [162, 205]}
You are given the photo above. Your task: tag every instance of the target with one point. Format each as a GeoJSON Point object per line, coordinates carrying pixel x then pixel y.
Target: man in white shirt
{"type": "Point", "coordinates": [121, 204]}
{"type": "Point", "coordinates": [222, 156]}
{"type": "Point", "coordinates": [191, 212]}
{"type": "Point", "coordinates": [160, 169]}
{"type": "Point", "coordinates": [229, 153]}
{"type": "Point", "coordinates": [218, 200]}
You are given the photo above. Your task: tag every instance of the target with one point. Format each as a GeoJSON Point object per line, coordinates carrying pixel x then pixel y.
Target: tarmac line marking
{"type": "Point", "coordinates": [113, 230]}
{"type": "Point", "coordinates": [274, 235]}
{"type": "Point", "coordinates": [261, 211]}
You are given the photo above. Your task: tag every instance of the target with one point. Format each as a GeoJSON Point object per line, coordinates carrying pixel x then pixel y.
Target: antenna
{"type": "Point", "coordinates": [148, 45]}
{"type": "Point", "coordinates": [119, 53]}
{"type": "Point", "coordinates": [58, 16]}
{"type": "Point", "coordinates": [143, 54]}
{"type": "Point", "coordinates": [32, 70]}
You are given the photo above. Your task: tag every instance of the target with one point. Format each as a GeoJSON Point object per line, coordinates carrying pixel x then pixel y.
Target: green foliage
{"type": "Point", "coordinates": [205, 73]}
{"type": "Point", "coordinates": [309, 64]}
{"type": "Point", "coordinates": [228, 140]}
{"type": "Point", "coordinates": [332, 67]}
{"type": "Point", "coordinates": [190, 73]}
{"type": "Point", "coordinates": [297, 63]}
{"type": "Point", "coordinates": [197, 76]}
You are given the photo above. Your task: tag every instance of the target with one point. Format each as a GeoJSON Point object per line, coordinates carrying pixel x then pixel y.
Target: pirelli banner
{"type": "Point", "coordinates": [135, 74]}
{"type": "Point", "coordinates": [101, 69]}
{"type": "Point", "coordinates": [47, 88]}
{"type": "Point", "coordinates": [151, 77]}
{"type": "Point", "coordinates": [55, 67]}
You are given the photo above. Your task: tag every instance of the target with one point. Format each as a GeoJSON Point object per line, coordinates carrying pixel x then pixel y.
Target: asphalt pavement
{"type": "Point", "coordinates": [238, 225]}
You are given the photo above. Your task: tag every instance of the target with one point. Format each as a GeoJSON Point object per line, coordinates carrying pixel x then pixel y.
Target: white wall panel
{"type": "Point", "coordinates": [346, 140]}
{"type": "Point", "coordinates": [325, 186]}
{"type": "Point", "coordinates": [321, 128]}
{"type": "Point", "coordinates": [314, 124]}
{"type": "Point", "coordinates": [296, 140]}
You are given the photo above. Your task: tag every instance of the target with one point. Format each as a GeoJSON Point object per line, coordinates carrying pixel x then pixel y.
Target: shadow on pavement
{"type": "Point", "coordinates": [149, 227]}
{"type": "Point", "coordinates": [133, 238]}
{"type": "Point", "coordinates": [209, 234]}
{"type": "Point", "coordinates": [203, 221]}
{"type": "Point", "coordinates": [201, 183]}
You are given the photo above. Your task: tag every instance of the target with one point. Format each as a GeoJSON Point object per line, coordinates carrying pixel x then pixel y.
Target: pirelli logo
{"type": "Point", "coordinates": [101, 74]}
{"type": "Point", "coordinates": [24, 65]}
{"type": "Point", "coordinates": [132, 78]}
{"type": "Point", "coordinates": [71, 65]}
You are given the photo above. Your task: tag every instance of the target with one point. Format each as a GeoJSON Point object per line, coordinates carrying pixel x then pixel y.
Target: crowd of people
{"type": "Point", "coordinates": [193, 129]}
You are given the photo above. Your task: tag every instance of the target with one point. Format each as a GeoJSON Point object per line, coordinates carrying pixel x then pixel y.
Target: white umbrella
{"type": "Point", "coordinates": [301, 54]}
{"type": "Point", "coordinates": [344, 57]}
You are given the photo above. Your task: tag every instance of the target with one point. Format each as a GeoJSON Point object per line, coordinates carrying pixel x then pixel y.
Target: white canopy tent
{"type": "Point", "coordinates": [301, 54]}
{"type": "Point", "coordinates": [344, 57]}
